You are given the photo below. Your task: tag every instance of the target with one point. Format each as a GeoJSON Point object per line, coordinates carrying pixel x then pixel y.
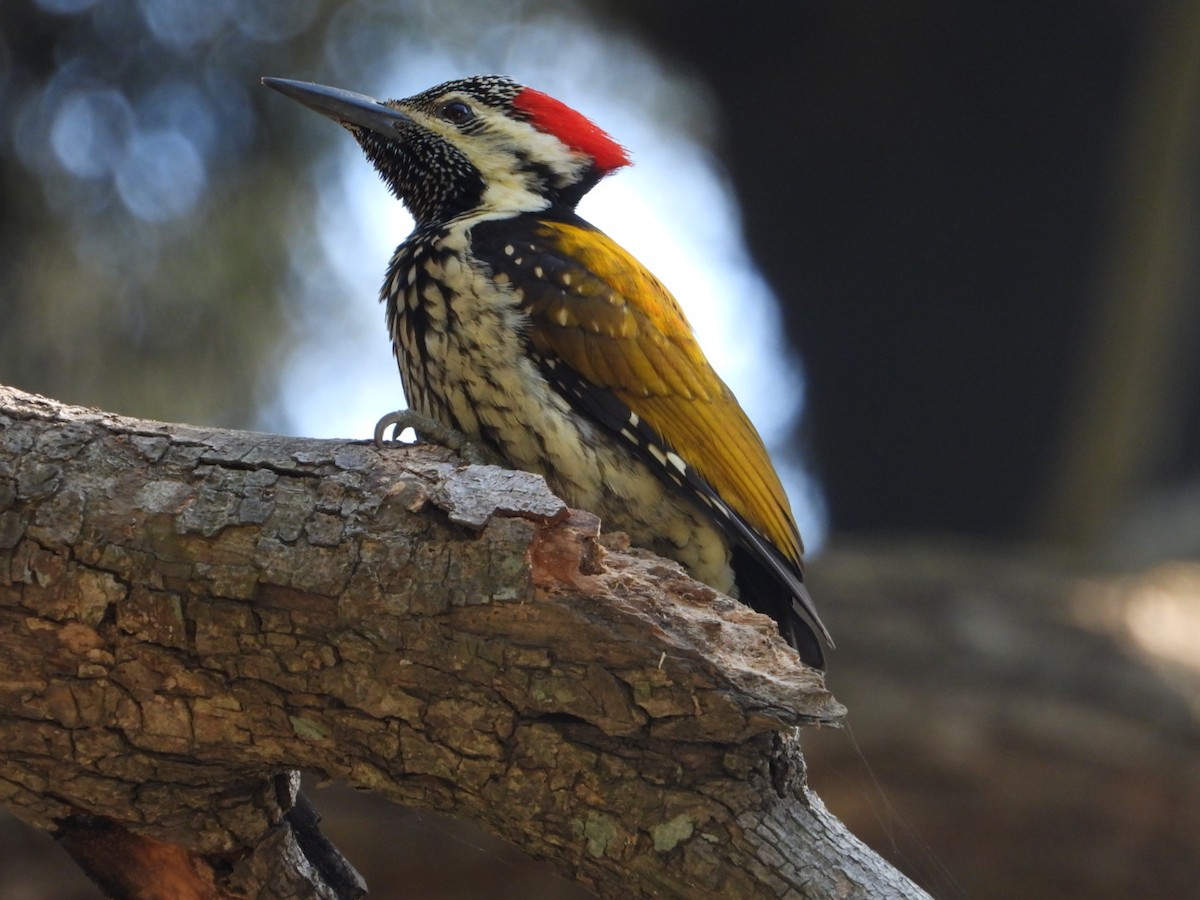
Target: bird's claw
{"type": "Point", "coordinates": [431, 430]}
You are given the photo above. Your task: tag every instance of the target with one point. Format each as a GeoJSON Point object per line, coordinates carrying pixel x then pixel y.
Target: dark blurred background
{"type": "Point", "coordinates": [979, 220]}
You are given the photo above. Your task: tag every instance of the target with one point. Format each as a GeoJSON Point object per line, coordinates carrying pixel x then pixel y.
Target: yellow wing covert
{"type": "Point", "coordinates": [596, 309]}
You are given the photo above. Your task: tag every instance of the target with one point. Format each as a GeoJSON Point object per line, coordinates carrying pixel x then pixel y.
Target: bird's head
{"type": "Point", "coordinates": [484, 143]}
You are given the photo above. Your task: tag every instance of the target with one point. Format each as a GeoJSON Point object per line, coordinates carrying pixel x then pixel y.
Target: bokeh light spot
{"type": "Point", "coordinates": [270, 20]}
{"type": "Point", "coordinates": [183, 107]}
{"type": "Point", "coordinates": [162, 176]}
{"type": "Point", "coordinates": [90, 131]}
{"type": "Point", "coordinates": [185, 22]}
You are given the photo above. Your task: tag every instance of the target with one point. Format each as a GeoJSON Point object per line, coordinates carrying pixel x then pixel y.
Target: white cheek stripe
{"type": "Point", "coordinates": [490, 148]}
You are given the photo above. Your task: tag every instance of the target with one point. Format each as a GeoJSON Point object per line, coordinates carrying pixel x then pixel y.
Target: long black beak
{"type": "Point", "coordinates": [344, 107]}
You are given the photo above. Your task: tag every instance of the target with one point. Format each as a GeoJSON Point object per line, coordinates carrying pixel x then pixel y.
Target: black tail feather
{"type": "Point", "coordinates": [759, 589]}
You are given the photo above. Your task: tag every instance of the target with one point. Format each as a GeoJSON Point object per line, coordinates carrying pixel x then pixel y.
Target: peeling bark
{"type": "Point", "coordinates": [187, 615]}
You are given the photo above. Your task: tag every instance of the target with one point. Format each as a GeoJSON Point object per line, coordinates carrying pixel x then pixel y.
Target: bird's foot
{"type": "Point", "coordinates": [431, 430]}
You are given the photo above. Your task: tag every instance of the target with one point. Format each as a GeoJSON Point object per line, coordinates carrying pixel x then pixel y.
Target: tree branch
{"type": "Point", "coordinates": [187, 614]}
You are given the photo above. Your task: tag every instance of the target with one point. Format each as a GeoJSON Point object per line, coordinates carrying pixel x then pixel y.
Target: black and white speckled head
{"type": "Point", "coordinates": [484, 143]}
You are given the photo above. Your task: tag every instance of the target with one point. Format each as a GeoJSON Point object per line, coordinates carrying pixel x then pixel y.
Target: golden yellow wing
{"type": "Point", "coordinates": [619, 327]}
{"type": "Point", "coordinates": [627, 348]}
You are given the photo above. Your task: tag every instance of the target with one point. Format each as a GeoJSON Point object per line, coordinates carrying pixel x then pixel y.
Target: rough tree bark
{"type": "Point", "coordinates": [187, 615]}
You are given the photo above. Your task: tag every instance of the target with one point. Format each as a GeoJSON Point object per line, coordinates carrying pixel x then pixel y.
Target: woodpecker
{"type": "Point", "coordinates": [537, 337]}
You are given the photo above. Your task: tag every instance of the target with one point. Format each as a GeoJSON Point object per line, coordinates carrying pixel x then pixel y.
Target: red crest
{"type": "Point", "coordinates": [574, 129]}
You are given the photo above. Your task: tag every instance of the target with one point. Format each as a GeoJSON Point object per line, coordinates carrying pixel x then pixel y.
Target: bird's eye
{"type": "Point", "coordinates": [456, 112]}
